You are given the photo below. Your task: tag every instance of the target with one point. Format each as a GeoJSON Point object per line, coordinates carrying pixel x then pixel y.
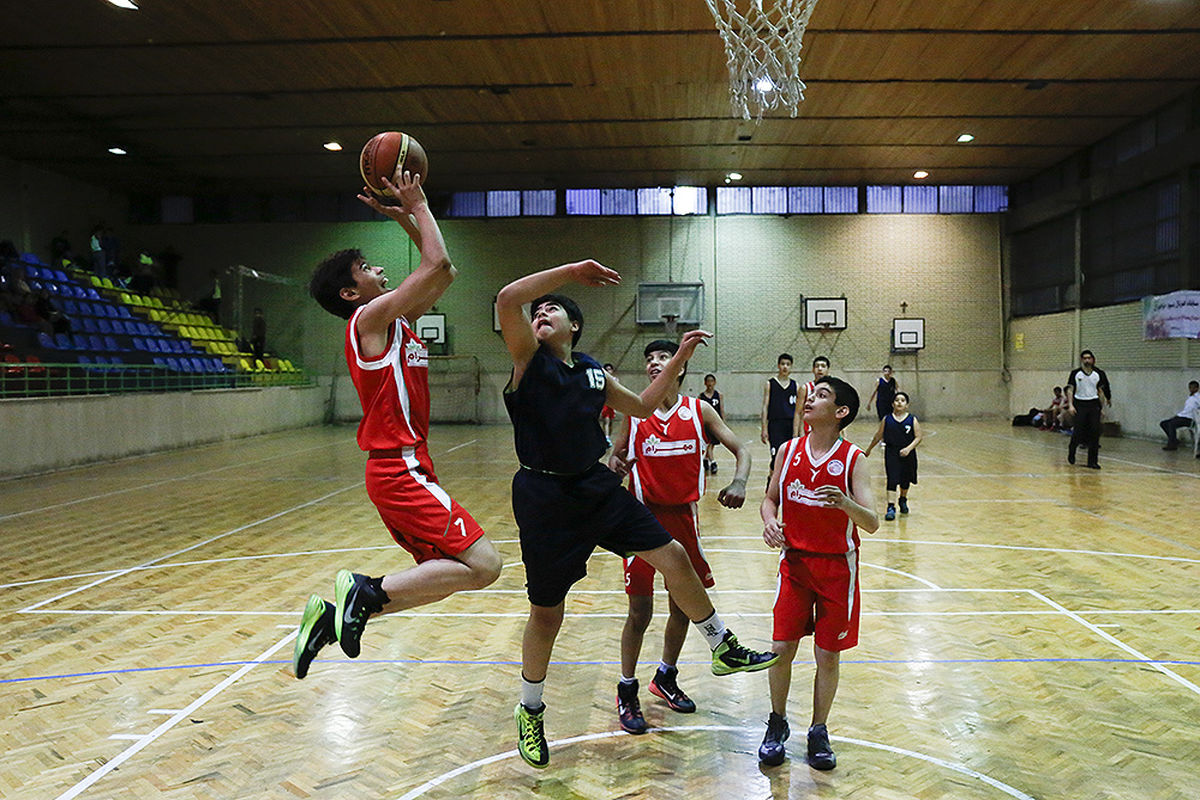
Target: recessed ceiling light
{"type": "Point", "coordinates": [920, 174]}
{"type": "Point", "coordinates": [733, 176]}
{"type": "Point", "coordinates": [332, 147]}
{"type": "Point", "coordinates": [963, 138]}
{"type": "Point", "coordinates": [130, 4]}
{"type": "Point", "coordinates": [118, 151]}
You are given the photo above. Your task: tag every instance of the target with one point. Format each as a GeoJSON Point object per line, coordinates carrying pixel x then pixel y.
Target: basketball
{"type": "Point", "coordinates": [388, 155]}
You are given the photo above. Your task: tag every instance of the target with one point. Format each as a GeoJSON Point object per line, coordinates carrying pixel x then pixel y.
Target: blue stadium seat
{"type": "Point", "coordinates": [60, 276]}
{"type": "Point", "coordinates": [110, 344]}
{"type": "Point", "coordinates": [46, 341]}
{"type": "Point", "coordinates": [63, 342]}
{"type": "Point", "coordinates": [103, 326]}
{"type": "Point", "coordinates": [91, 292]}
{"type": "Point", "coordinates": [82, 359]}
{"type": "Point", "coordinates": [123, 313]}
{"type": "Point", "coordinates": [96, 342]}
{"type": "Point", "coordinates": [81, 342]}
{"type": "Point", "coordinates": [35, 285]}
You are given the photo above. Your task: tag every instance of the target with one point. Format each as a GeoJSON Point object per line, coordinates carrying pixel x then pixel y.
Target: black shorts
{"type": "Point", "coordinates": [901, 471]}
{"type": "Point", "coordinates": [778, 432]}
{"type": "Point", "coordinates": [562, 519]}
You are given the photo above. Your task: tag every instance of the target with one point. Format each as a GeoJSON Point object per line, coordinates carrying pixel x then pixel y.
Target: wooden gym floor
{"type": "Point", "coordinates": [1031, 630]}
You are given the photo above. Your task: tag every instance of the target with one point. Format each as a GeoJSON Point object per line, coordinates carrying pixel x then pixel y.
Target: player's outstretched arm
{"type": "Point", "coordinates": [433, 275]}
{"type": "Point", "coordinates": [634, 405]}
{"type": "Point", "coordinates": [620, 460]}
{"type": "Point", "coordinates": [515, 324]}
{"type": "Point", "coordinates": [733, 495]}
{"type": "Point", "coordinates": [765, 403]}
{"type": "Point", "coordinates": [769, 509]}
{"type": "Point", "coordinates": [875, 439]}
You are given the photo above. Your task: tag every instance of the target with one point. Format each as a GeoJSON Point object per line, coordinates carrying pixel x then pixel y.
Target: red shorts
{"type": "Point", "coordinates": [421, 517]}
{"type": "Point", "coordinates": [607, 413]}
{"type": "Point", "coordinates": [818, 594]}
{"type": "Point", "coordinates": [680, 522]}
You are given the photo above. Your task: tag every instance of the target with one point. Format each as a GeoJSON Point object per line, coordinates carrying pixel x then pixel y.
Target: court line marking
{"type": "Point", "coordinates": [102, 495]}
{"type": "Point", "coordinates": [433, 783]}
{"type": "Point", "coordinates": [443, 662]}
{"type": "Point", "coordinates": [1175, 676]}
{"type": "Point", "coordinates": [171, 722]}
{"type": "Point", "coordinates": [239, 529]}
{"type": "Point", "coordinates": [457, 446]}
{"type": "Point", "coordinates": [1065, 550]}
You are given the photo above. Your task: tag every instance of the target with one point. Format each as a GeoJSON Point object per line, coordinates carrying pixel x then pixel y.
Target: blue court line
{"type": "Point", "coordinates": [461, 663]}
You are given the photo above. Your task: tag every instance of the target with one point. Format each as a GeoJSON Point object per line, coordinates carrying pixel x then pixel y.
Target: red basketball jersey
{"type": "Point", "coordinates": [809, 388]}
{"type": "Point", "coordinates": [393, 389]}
{"type": "Point", "coordinates": [667, 450]}
{"type": "Point", "coordinates": [807, 525]}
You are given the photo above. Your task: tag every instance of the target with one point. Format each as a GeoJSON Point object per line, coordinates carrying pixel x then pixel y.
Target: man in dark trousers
{"type": "Point", "coordinates": [1087, 387]}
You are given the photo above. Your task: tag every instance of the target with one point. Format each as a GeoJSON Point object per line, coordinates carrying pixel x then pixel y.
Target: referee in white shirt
{"type": "Point", "coordinates": [1087, 387]}
{"type": "Point", "coordinates": [1183, 419]}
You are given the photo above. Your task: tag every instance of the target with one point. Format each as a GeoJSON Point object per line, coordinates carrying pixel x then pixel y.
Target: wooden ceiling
{"type": "Point", "coordinates": [216, 95]}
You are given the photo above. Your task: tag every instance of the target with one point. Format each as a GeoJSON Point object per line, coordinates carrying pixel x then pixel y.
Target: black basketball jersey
{"type": "Point", "coordinates": [899, 434]}
{"type": "Point", "coordinates": [714, 401]}
{"type": "Point", "coordinates": [782, 402]}
{"type": "Point", "coordinates": [555, 413]}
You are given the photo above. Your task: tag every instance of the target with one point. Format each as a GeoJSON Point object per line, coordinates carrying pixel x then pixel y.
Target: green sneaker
{"type": "Point", "coordinates": [731, 657]}
{"type": "Point", "coordinates": [356, 603]}
{"type": "Point", "coordinates": [316, 631]}
{"type": "Point", "coordinates": [531, 736]}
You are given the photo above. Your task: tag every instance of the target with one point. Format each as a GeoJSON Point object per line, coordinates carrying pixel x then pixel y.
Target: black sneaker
{"type": "Point", "coordinates": [531, 736]}
{"type": "Point", "coordinates": [712, 465]}
{"type": "Point", "coordinates": [903, 505]}
{"type": "Point", "coordinates": [1093, 466]}
{"type": "Point", "coordinates": [1071, 456]}
{"type": "Point", "coordinates": [820, 754]}
{"type": "Point", "coordinates": [316, 631]}
{"type": "Point", "coordinates": [629, 710]}
{"type": "Point", "coordinates": [731, 657]}
{"type": "Point", "coordinates": [891, 513]}
{"type": "Point", "coordinates": [356, 602]}
{"type": "Point", "coordinates": [771, 751]}
{"type": "Point", "coordinates": [663, 685]}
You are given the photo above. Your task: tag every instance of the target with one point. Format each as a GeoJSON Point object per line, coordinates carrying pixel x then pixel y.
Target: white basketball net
{"type": "Point", "coordinates": [762, 46]}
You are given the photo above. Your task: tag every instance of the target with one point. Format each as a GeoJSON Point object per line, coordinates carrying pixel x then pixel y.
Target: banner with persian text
{"type": "Point", "coordinates": [1171, 316]}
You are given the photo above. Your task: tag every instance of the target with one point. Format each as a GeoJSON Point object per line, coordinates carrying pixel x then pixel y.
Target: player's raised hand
{"type": "Point", "coordinates": [733, 495]}
{"type": "Point", "coordinates": [691, 340]}
{"type": "Point", "coordinates": [773, 533]}
{"type": "Point", "coordinates": [593, 273]}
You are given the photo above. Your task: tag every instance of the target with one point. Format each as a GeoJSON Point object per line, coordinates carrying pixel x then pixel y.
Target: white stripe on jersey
{"type": "Point", "coordinates": [391, 358]}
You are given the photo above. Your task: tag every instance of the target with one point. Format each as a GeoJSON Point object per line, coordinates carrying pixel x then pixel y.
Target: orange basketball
{"type": "Point", "coordinates": [388, 155]}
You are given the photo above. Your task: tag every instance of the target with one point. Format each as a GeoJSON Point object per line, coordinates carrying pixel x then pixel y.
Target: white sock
{"type": "Point", "coordinates": [531, 693]}
{"type": "Point", "coordinates": [628, 681]}
{"type": "Point", "coordinates": [712, 629]}
{"type": "Point", "coordinates": [665, 667]}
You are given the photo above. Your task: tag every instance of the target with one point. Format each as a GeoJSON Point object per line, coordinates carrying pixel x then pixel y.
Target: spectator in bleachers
{"type": "Point", "coordinates": [112, 250]}
{"type": "Point", "coordinates": [1183, 418]}
{"type": "Point", "coordinates": [60, 248]}
{"type": "Point", "coordinates": [258, 333]}
{"type": "Point", "coordinates": [99, 260]}
{"type": "Point", "coordinates": [142, 280]}
{"type": "Point", "coordinates": [50, 314]}
{"type": "Point", "coordinates": [210, 303]}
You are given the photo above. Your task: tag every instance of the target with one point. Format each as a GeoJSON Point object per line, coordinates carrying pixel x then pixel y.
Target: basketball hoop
{"type": "Point", "coordinates": [670, 323]}
{"type": "Point", "coordinates": [762, 48]}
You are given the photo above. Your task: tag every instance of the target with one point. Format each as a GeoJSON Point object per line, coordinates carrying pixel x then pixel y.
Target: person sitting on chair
{"type": "Point", "coordinates": [1183, 419]}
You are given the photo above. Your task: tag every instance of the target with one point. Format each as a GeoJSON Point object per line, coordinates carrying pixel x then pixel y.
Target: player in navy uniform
{"type": "Point", "coordinates": [565, 502]}
{"type": "Point", "coordinates": [779, 406]}
{"type": "Point", "coordinates": [900, 432]}
{"type": "Point", "coordinates": [711, 396]}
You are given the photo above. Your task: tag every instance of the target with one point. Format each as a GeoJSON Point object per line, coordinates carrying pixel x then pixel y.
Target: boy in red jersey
{"type": "Point", "coordinates": [390, 369]}
{"type": "Point", "coordinates": [823, 488]}
{"type": "Point", "coordinates": [663, 455]}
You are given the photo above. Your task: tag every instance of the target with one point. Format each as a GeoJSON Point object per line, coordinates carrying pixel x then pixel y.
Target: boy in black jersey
{"type": "Point", "coordinates": [565, 502]}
